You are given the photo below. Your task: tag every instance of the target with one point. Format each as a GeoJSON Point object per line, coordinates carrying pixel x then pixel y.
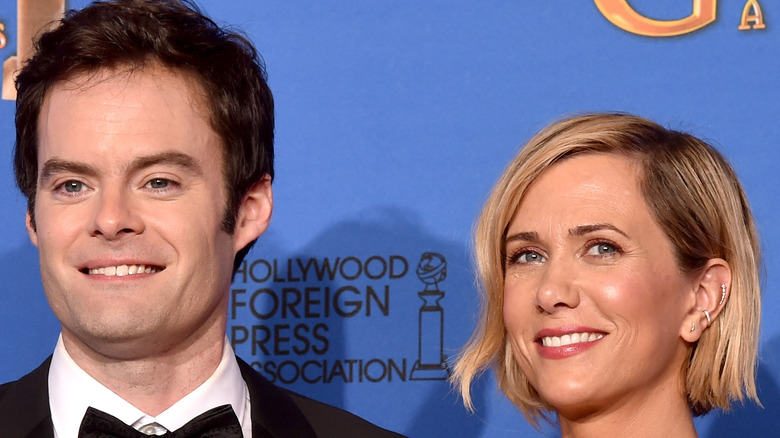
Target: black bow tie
{"type": "Point", "coordinates": [220, 422]}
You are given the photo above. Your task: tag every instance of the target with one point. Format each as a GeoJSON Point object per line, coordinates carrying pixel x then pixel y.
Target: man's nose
{"type": "Point", "coordinates": [115, 215]}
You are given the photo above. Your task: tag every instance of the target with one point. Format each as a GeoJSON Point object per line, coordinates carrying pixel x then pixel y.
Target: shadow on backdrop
{"type": "Point", "coordinates": [751, 420]}
{"type": "Point", "coordinates": [263, 330]}
{"type": "Point", "coordinates": [381, 232]}
{"type": "Point", "coordinates": [443, 414]}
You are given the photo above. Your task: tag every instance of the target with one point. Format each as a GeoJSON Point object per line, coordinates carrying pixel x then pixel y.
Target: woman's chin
{"type": "Point", "coordinates": [572, 400]}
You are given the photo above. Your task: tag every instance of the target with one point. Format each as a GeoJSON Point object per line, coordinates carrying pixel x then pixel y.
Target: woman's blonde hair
{"type": "Point", "coordinates": [697, 200]}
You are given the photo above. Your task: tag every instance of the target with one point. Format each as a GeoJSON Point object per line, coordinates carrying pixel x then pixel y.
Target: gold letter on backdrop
{"type": "Point", "coordinates": [31, 17]}
{"type": "Point", "coordinates": [622, 15]}
{"type": "Point", "coordinates": [751, 13]}
{"type": "Point", "coordinates": [3, 39]}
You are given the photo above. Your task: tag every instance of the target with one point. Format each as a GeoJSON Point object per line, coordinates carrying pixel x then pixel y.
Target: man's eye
{"type": "Point", "coordinates": [73, 186]}
{"type": "Point", "coordinates": [159, 183]}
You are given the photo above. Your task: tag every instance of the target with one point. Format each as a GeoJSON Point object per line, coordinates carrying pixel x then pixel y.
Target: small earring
{"type": "Point", "coordinates": [693, 326]}
{"type": "Point", "coordinates": [707, 314]}
{"type": "Point", "coordinates": [722, 294]}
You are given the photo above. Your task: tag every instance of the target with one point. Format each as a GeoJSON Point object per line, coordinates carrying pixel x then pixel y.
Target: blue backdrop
{"type": "Point", "coordinates": [394, 119]}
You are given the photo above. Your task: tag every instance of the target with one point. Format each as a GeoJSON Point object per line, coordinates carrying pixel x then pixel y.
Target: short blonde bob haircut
{"type": "Point", "coordinates": [698, 202]}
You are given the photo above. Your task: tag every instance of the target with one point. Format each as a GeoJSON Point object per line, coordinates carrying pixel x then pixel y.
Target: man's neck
{"type": "Point", "coordinates": [153, 382]}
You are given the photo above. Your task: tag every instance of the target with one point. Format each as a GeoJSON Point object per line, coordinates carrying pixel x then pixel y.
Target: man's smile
{"type": "Point", "coordinates": [123, 270]}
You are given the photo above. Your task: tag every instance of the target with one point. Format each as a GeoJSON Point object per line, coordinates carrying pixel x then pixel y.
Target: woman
{"type": "Point", "coordinates": [618, 264]}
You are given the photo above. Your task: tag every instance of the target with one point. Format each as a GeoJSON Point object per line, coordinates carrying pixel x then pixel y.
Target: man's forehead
{"type": "Point", "coordinates": [113, 82]}
{"type": "Point", "coordinates": [122, 106]}
{"type": "Point", "coordinates": [84, 80]}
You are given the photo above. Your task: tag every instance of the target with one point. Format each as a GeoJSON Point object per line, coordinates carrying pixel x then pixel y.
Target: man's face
{"type": "Point", "coordinates": [128, 212]}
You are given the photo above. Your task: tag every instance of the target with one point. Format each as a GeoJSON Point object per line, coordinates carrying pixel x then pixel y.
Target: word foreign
{"type": "Point", "coordinates": [312, 302]}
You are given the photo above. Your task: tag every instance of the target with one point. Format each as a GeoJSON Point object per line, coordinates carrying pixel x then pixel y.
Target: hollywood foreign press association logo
{"type": "Point", "coordinates": [431, 361]}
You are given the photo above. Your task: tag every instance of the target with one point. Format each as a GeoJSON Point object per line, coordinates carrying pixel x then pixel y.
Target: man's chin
{"type": "Point", "coordinates": [117, 341]}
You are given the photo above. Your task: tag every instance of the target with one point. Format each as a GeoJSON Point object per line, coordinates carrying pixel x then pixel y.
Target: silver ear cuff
{"type": "Point", "coordinates": [707, 314]}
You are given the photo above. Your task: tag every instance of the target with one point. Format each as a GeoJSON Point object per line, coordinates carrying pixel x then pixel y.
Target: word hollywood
{"type": "Point", "coordinates": [303, 270]}
{"type": "Point", "coordinates": [298, 303]}
{"type": "Point", "coordinates": [622, 15]}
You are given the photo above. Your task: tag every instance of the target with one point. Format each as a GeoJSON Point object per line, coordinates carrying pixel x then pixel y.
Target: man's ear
{"type": "Point", "coordinates": [711, 293]}
{"type": "Point", "coordinates": [254, 213]}
{"type": "Point", "coordinates": [28, 222]}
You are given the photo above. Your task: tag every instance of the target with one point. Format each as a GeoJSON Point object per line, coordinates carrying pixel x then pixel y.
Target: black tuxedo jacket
{"type": "Point", "coordinates": [276, 412]}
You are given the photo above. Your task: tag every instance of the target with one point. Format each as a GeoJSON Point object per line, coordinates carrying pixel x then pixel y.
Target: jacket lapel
{"type": "Point", "coordinates": [24, 406]}
{"type": "Point", "coordinates": [274, 414]}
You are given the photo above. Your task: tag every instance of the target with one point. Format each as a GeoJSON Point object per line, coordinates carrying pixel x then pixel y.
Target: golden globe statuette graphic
{"type": "Point", "coordinates": [31, 17]}
{"type": "Point", "coordinates": [431, 362]}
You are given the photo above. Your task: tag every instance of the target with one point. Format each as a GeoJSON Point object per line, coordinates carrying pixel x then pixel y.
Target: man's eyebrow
{"type": "Point", "coordinates": [179, 159]}
{"type": "Point", "coordinates": [56, 165]}
{"type": "Point", "coordinates": [528, 236]}
{"type": "Point", "coordinates": [590, 228]}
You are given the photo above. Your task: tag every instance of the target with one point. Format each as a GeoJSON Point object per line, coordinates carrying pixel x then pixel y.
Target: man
{"type": "Point", "coordinates": [145, 150]}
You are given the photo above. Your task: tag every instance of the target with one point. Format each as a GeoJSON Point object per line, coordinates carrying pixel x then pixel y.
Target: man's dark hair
{"type": "Point", "coordinates": [131, 34]}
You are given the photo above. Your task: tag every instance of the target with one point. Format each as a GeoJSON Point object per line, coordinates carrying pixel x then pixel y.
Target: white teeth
{"type": "Point", "coordinates": [122, 270]}
{"type": "Point", "coordinates": [574, 338]}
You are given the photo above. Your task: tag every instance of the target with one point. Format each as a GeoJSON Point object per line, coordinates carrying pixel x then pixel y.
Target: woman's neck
{"type": "Point", "coordinates": [658, 416]}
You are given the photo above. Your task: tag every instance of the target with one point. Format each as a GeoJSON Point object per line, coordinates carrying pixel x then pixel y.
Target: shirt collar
{"type": "Point", "coordinates": [72, 390]}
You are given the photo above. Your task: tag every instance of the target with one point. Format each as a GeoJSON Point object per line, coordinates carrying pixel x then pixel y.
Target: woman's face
{"type": "Point", "coordinates": [593, 299]}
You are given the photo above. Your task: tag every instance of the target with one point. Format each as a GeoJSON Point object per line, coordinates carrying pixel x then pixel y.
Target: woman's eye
{"type": "Point", "coordinates": [529, 257]}
{"type": "Point", "coordinates": [602, 249]}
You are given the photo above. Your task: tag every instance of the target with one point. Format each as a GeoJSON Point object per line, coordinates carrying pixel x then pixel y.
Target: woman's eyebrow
{"type": "Point", "coordinates": [579, 231]}
{"type": "Point", "coordinates": [527, 236]}
{"type": "Point", "coordinates": [582, 230]}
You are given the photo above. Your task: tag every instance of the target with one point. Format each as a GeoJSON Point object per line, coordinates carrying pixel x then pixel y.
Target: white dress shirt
{"type": "Point", "coordinates": [72, 391]}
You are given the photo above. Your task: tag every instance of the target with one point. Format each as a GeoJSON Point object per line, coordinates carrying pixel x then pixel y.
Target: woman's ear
{"type": "Point", "coordinates": [711, 293]}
